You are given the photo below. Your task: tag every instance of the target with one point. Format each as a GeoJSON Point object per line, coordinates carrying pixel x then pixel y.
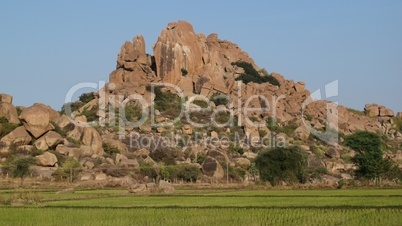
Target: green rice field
{"type": "Point", "coordinates": [204, 207]}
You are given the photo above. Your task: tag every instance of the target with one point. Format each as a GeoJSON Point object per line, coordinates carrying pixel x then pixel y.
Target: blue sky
{"type": "Point", "coordinates": [46, 47]}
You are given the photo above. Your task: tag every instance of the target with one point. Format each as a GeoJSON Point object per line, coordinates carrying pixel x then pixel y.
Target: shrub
{"type": "Point", "coordinates": [72, 167]}
{"type": "Point", "coordinates": [6, 127]}
{"type": "Point", "coordinates": [234, 148]}
{"type": "Point", "coordinates": [91, 113]}
{"type": "Point", "coordinates": [200, 103]}
{"type": "Point", "coordinates": [133, 112]}
{"type": "Point", "coordinates": [86, 97]}
{"type": "Point", "coordinates": [58, 130]}
{"type": "Point", "coordinates": [219, 99]}
{"type": "Point", "coordinates": [201, 157]}
{"type": "Point", "coordinates": [165, 101]}
{"type": "Point", "coordinates": [188, 173]}
{"type": "Point", "coordinates": [184, 72]}
{"type": "Point", "coordinates": [369, 156]}
{"type": "Point", "coordinates": [252, 75]}
{"type": "Point", "coordinates": [222, 117]}
{"type": "Point", "coordinates": [110, 149]}
{"type": "Point", "coordinates": [169, 172]}
{"type": "Point", "coordinates": [147, 170]}
{"type": "Point", "coordinates": [20, 167]}
{"type": "Point", "coordinates": [282, 164]}
{"type": "Point", "coordinates": [74, 106]}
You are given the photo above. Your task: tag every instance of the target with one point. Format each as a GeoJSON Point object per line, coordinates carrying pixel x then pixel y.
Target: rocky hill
{"type": "Point", "coordinates": [199, 109]}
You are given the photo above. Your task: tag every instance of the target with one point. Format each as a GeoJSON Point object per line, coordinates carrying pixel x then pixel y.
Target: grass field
{"type": "Point", "coordinates": [206, 207]}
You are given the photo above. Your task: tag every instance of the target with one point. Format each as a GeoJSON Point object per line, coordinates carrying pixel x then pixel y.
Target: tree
{"type": "Point", "coordinates": [369, 156]}
{"type": "Point", "coordinates": [72, 167]}
{"type": "Point", "coordinates": [282, 164]}
{"type": "Point", "coordinates": [21, 167]}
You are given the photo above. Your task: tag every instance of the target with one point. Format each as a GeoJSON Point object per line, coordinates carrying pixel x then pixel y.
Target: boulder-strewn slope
{"type": "Point", "coordinates": [110, 146]}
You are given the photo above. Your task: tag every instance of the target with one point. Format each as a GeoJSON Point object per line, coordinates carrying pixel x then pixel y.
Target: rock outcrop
{"type": "Point", "coordinates": [91, 138]}
{"type": "Point", "coordinates": [5, 98]}
{"type": "Point", "coordinates": [212, 168]}
{"type": "Point", "coordinates": [18, 136]}
{"type": "Point", "coordinates": [36, 119]}
{"type": "Point", "coordinates": [47, 159]}
{"type": "Point", "coordinates": [8, 111]}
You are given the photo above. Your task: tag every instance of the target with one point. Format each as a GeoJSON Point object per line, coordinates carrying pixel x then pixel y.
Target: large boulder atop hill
{"type": "Point", "coordinates": [374, 110]}
{"type": "Point", "coordinates": [36, 119]}
{"type": "Point", "coordinates": [177, 48]}
{"type": "Point", "coordinates": [212, 168]}
{"type": "Point", "coordinates": [18, 136]}
{"type": "Point", "coordinates": [5, 98]}
{"type": "Point", "coordinates": [46, 159]}
{"type": "Point", "coordinates": [8, 111]}
{"type": "Point", "coordinates": [183, 57]}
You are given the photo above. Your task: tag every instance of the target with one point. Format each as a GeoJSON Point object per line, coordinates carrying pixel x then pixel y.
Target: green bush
{"type": "Point", "coordinates": [148, 170]}
{"type": "Point", "coordinates": [288, 129]}
{"type": "Point", "coordinates": [234, 148]}
{"type": "Point", "coordinates": [72, 167]}
{"type": "Point", "coordinates": [86, 97]}
{"type": "Point", "coordinates": [282, 164]}
{"type": "Point", "coordinates": [184, 72]}
{"type": "Point", "coordinates": [166, 101]}
{"type": "Point", "coordinates": [219, 99]}
{"type": "Point", "coordinates": [133, 112]}
{"type": "Point", "coordinates": [169, 172]}
{"type": "Point", "coordinates": [222, 117]}
{"type": "Point", "coordinates": [200, 103]}
{"type": "Point", "coordinates": [369, 156]}
{"type": "Point", "coordinates": [110, 149]}
{"type": "Point", "coordinates": [21, 167]}
{"type": "Point", "coordinates": [91, 113]}
{"type": "Point", "coordinates": [201, 157]}
{"type": "Point", "coordinates": [252, 75]}
{"type": "Point", "coordinates": [58, 130]}
{"type": "Point", "coordinates": [74, 106]}
{"type": "Point", "coordinates": [6, 127]}
{"type": "Point", "coordinates": [398, 123]}
{"type": "Point", "coordinates": [188, 173]}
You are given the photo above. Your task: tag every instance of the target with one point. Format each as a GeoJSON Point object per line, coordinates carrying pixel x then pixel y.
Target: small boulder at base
{"type": "Point", "coordinates": [66, 191]}
{"type": "Point", "coordinates": [212, 168]}
{"type": "Point", "coordinates": [166, 187]}
{"type": "Point", "coordinates": [47, 159]}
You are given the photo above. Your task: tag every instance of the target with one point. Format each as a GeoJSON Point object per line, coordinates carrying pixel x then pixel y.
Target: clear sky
{"type": "Point", "coordinates": [46, 47]}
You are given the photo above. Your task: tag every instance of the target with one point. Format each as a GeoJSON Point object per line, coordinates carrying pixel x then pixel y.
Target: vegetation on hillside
{"type": "Point", "coordinates": [369, 156]}
{"type": "Point", "coordinates": [282, 164]}
{"type": "Point", "coordinates": [252, 75]}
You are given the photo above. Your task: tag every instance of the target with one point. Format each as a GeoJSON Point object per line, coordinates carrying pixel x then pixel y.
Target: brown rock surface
{"type": "Point", "coordinates": [8, 111]}
{"type": "Point", "coordinates": [5, 98]}
{"type": "Point", "coordinates": [46, 159]}
{"type": "Point", "coordinates": [18, 136]}
{"type": "Point", "coordinates": [212, 168]}
{"type": "Point", "coordinates": [36, 119]}
{"type": "Point", "coordinates": [48, 141]}
{"type": "Point", "coordinates": [91, 138]}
